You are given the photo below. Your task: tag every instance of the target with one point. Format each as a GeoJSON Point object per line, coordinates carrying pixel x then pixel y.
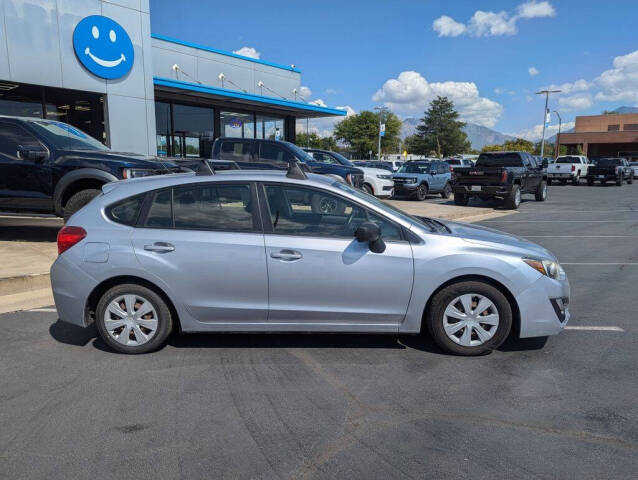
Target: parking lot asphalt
{"type": "Point", "coordinates": [348, 406]}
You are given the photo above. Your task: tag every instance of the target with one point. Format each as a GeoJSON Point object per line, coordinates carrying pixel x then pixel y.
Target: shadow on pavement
{"type": "Point", "coordinates": [14, 229]}
{"type": "Point", "coordinates": [72, 334]}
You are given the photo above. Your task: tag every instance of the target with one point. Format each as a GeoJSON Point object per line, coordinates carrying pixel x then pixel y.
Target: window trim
{"type": "Point", "coordinates": [269, 229]}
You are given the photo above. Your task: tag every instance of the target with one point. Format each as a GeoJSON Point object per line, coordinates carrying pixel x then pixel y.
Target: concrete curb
{"type": "Point", "coordinates": [24, 283]}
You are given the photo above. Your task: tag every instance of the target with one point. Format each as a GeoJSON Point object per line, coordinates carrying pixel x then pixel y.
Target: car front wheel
{"type": "Point", "coordinates": [447, 191]}
{"type": "Point", "coordinates": [421, 192]}
{"type": "Point", "coordinates": [541, 192]}
{"type": "Point", "coordinates": [367, 188]}
{"type": "Point", "coordinates": [131, 318]}
{"type": "Point", "coordinates": [469, 318]}
{"type": "Point", "coordinates": [78, 200]}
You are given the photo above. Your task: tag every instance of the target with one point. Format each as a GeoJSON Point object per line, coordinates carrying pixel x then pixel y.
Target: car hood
{"type": "Point", "coordinates": [374, 171]}
{"type": "Point", "coordinates": [496, 239]}
{"type": "Point", "coordinates": [406, 175]}
{"type": "Point", "coordinates": [126, 159]}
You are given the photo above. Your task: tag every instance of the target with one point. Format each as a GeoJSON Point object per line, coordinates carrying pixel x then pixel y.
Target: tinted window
{"type": "Point", "coordinates": [275, 154]}
{"type": "Point", "coordinates": [159, 213]}
{"type": "Point", "coordinates": [609, 162]}
{"type": "Point", "coordinates": [443, 168]}
{"type": "Point", "coordinates": [568, 160]}
{"type": "Point", "coordinates": [454, 161]}
{"type": "Point", "coordinates": [499, 160]}
{"type": "Point", "coordinates": [213, 207]}
{"type": "Point", "coordinates": [13, 137]}
{"type": "Point", "coordinates": [126, 211]}
{"type": "Point", "coordinates": [65, 136]}
{"type": "Point", "coordinates": [235, 150]}
{"type": "Point", "coordinates": [323, 158]}
{"type": "Point", "coordinates": [413, 167]}
{"type": "Point", "coordinates": [308, 212]}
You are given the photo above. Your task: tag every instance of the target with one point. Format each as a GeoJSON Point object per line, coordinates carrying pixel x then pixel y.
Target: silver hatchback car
{"type": "Point", "coordinates": [261, 251]}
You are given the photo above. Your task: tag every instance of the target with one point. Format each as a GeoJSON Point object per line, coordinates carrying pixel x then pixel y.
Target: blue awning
{"type": "Point", "coordinates": [295, 108]}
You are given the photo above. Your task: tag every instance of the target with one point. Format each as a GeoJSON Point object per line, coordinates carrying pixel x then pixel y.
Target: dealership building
{"type": "Point", "coordinates": [97, 66]}
{"type": "Point", "coordinates": [610, 135]}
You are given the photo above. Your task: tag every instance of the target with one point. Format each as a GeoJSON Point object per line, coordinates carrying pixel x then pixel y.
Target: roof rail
{"type": "Point", "coordinates": [294, 171]}
{"type": "Point", "coordinates": [205, 168]}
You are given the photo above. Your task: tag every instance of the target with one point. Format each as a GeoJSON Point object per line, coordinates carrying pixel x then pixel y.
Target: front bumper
{"type": "Point", "coordinates": [544, 307]}
{"type": "Point", "coordinates": [489, 190]}
{"type": "Point", "coordinates": [405, 188]}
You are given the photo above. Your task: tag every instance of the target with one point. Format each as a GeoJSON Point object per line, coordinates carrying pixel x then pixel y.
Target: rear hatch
{"type": "Point", "coordinates": [480, 176]}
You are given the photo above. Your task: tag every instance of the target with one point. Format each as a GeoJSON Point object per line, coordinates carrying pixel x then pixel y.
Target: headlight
{"type": "Point", "coordinates": [410, 180]}
{"type": "Point", "coordinates": [385, 177]}
{"type": "Point", "coordinates": [546, 267]}
{"type": "Point", "coordinates": [128, 173]}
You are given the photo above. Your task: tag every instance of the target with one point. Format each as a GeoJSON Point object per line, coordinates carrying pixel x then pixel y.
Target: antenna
{"type": "Point", "coordinates": [205, 168]}
{"type": "Point", "coordinates": [294, 171]}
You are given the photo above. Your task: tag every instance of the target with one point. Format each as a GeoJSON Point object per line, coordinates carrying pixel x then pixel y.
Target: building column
{"type": "Point", "coordinates": [585, 148]}
{"type": "Point", "coordinates": [290, 125]}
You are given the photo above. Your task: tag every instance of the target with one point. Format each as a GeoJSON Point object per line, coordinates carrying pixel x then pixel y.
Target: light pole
{"type": "Point", "coordinates": [381, 111]}
{"type": "Point", "coordinates": [557, 146]}
{"type": "Point", "coordinates": [545, 112]}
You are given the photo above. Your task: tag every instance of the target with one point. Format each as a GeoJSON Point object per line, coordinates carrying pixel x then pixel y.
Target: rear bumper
{"type": "Point", "coordinates": [489, 190]}
{"type": "Point", "coordinates": [71, 289]}
{"type": "Point", "coordinates": [557, 176]}
{"type": "Point", "coordinates": [605, 177]}
{"type": "Point", "coordinates": [544, 307]}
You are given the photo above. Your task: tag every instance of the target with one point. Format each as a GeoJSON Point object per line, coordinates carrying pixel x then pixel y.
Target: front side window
{"type": "Point", "coordinates": [235, 150]}
{"type": "Point", "coordinates": [303, 211]}
{"type": "Point", "coordinates": [275, 154]}
{"type": "Point", "coordinates": [323, 158]}
{"type": "Point", "coordinates": [12, 138]}
{"type": "Point", "coordinates": [213, 207]}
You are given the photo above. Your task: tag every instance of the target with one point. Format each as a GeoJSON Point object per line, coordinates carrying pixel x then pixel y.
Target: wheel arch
{"type": "Point", "coordinates": [105, 285]}
{"type": "Point", "coordinates": [76, 181]}
{"type": "Point", "coordinates": [371, 187]}
{"type": "Point", "coordinates": [516, 313]}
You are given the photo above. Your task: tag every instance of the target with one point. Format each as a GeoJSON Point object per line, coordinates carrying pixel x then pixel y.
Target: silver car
{"type": "Point", "coordinates": [259, 251]}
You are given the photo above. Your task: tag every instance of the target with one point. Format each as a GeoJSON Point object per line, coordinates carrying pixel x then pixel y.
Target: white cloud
{"type": "Point", "coordinates": [499, 91]}
{"type": "Point", "coordinates": [330, 91]}
{"type": "Point", "coordinates": [488, 24]}
{"type": "Point", "coordinates": [319, 102]}
{"type": "Point", "coordinates": [448, 27]}
{"type": "Point", "coordinates": [621, 81]}
{"type": "Point", "coordinates": [536, 132]}
{"type": "Point", "coordinates": [576, 102]}
{"type": "Point", "coordinates": [410, 93]}
{"type": "Point", "coordinates": [323, 126]}
{"type": "Point", "coordinates": [305, 92]}
{"type": "Point", "coordinates": [571, 87]}
{"type": "Point", "coordinates": [248, 52]}
{"type": "Point", "coordinates": [533, 71]}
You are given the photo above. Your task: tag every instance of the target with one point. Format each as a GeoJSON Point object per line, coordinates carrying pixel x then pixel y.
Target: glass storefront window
{"type": "Point", "coordinates": [162, 127]}
{"type": "Point", "coordinates": [270, 128]}
{"type": "Point", "coordinates": [192, 131]}
{"type": "Point", "coordinates": [237, 125]}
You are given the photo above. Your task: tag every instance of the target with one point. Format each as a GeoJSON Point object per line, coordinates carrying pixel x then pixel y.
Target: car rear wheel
{"type": "Point", "coordinates": [469, 318]}
{"type": "Point", "coordinates": [78, 200]}
{"type": "Point", "coordinates": [630, 181]}
{"type": "Point", "coordinates": [576, 180]}
{"type": "Point", "coordinates": [447, 191]}
{"type": "Point", "coordinates": [131, 318]}
{"type": "Point", "coordinates": [461, 199]}
{"type": "Point", "coordinates": [541, 192]}
{"type": "Point", "coordinates": [421, 192]}
{"type": "Point", "coordinates": [590, 181]}
{"type": "Point", "coordinates": [513, 200]}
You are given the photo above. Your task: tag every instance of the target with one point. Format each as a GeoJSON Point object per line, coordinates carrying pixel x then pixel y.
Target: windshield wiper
{"type": "Point", "coordinates": [435, 225]}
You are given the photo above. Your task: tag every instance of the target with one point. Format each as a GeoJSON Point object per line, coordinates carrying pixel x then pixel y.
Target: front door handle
{"type": "Point", "coordinates": [159, 247]}
{"type": "Point", "coordinates": [286, 255]}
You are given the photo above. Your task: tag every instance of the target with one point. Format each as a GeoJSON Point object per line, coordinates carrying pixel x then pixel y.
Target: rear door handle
{"type": "Point", "coordinates": [286, 255]}
{"type": "Point", "coordinates": [159, 247]}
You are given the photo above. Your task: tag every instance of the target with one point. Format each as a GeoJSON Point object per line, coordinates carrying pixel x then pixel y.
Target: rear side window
{"type": "Point", "coordinates": [159, 213]}
{"type": "Point", "coordinates": [126, 211]}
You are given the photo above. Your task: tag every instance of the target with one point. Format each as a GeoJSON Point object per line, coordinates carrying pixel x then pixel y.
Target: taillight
{"type": "Point", "coordinates": [504, 176]}
{"type": "Point", "coordinates": [69, 236]}
{"type": "Point", "coordinates": [573, 168]}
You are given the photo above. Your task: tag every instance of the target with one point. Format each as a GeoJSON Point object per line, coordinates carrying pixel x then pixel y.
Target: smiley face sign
{"type": "Point", "coordinates": [103, 47]}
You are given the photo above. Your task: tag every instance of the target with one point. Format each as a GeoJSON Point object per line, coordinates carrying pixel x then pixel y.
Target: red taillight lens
{"type": "Point", "coordinates": [69, 236]}
{"type": "Point", "coordinates": [504, 176]}
{"type": "Point", "coordinates": [573, 168]}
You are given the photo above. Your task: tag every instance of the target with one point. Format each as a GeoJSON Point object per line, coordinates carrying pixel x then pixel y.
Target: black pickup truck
{"type": "Point", "coordinates": [504, 175]}
{"type": "Point", "coordinates": [52, 167]}
{"type": "Point", "coordinates": [610, 169]}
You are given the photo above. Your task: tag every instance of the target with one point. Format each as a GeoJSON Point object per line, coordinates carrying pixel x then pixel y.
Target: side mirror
{"type": "Point", "coordinates": [544, 163]}
{"type": "Point", "coordinates": [32, 152]}
{"type": "Point", "coordinates": [371, 233]}
{"type": "Point", "coordinates": [433, 171]}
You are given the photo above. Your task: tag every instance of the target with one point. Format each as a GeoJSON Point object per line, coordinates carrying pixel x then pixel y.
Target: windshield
{"type": "Point", "coordinates": [385, 206]}
{"type": "Point", "coordinates": [609, 162]}
{"type": "Point", "coordinates": [66, 137]}
{"type": "Point", "coordinates": [299, 153]}
{"type": "Point", "coordinates": [454, 161]}
{"type": "Point", "coordinates": [499, 160]}
{"type": "Point", "coordinates": [568, 160]}
{"type": "Point", "coordinates": [414, 168]}
{"type": "Point", "coordinates": [343, 160]}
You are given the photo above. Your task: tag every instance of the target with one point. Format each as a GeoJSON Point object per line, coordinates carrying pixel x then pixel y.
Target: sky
{"type": "Point", "coordinates": [488, 56]}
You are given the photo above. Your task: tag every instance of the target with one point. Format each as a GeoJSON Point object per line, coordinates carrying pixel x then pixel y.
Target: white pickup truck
{"type": "Point", "coordinates": [568, 168]}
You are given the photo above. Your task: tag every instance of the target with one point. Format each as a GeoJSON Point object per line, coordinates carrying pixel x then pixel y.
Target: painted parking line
{"type": "Point", "coordinates": [580, 236]}
{"type": "Point", "coordinates": [598, 263]}
{"type": "Point", "coordinates": [594, 328]}
{"type": "Point", "coordinates": [42, 310]}
{"type": "Point", "coordinates": [560, 221]}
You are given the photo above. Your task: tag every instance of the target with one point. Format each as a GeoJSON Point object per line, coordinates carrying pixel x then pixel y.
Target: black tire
{"type": "Point", "coordinates": [563, 182]}
{"type": "Point", "coordinates": [461, 199]}
{"type": "Point", "coordinates": [78, 200]}
{"type": "Point", "coordinates": [541, 192]}
{"type": "Point", "coordinates": [367, 188]}
{"type": "Point", "coordinates": [590, 181]}
{"type": "Point", "coordinates": [619, 182]}
{"type": "Point", "coordinates": [513, 200]}
{"type": "Point", "coordinates": [549, 181]}
{"type": "Point", "coordinates": [630, 181]}
{"type": "Point", "coordinates": [576, 180]}
{"type": "Point", "coordinates": [327, 205]}
{"type": "Point", "coordinates": [421, 192]}
{"type": "Point", "coordinates": [447, 191]}
{"type": "Point", "coordinates": [435, 317]}
{"type": "Point", "coordinates": [164, 320]}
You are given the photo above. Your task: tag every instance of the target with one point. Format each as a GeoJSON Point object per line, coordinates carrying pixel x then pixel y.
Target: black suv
{"type": "Point", "coordinates": [275, 154]}
{"type": "Point", "coordinates": [52, 167]}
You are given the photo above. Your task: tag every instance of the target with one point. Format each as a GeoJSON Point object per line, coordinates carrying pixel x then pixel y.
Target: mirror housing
{"type": "Point", "coordinates": [371, 234]}
{"type": "Point", "coordinates": [32, 152]}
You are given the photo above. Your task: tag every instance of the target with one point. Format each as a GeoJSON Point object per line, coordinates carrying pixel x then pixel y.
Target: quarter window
{"type": "Point", "coordinates": [126, 211]}
{"type": "Point", "coordinates": [159, 214]}
{"type": "Point", "coordinates": [308, 212]}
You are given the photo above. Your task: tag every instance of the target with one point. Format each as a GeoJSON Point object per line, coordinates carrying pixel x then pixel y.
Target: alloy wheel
{"type": "Point", "coordinates": [131, 320]}
{"type": "Point", "coordinates": [470, 320]}
{"type": "Point", "coordinates": [517, 198]}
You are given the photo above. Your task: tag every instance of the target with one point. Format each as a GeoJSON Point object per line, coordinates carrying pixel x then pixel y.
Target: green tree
{"type": "Point", "coordinates": [313, 140]}
{"type": "Point", "coordinates": [516, 145]}
{"type": "Point", "coordinates": [361, 132]}
{"type": "Point", "coordinates": [440, 131]}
